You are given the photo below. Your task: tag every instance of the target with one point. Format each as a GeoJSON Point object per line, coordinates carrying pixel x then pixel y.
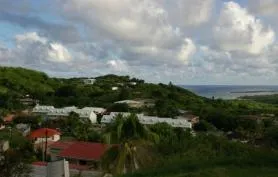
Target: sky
{"type": "Point", "coordinates": [187, 42]}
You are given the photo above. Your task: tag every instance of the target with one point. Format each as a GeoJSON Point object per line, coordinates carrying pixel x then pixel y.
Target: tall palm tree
{"type": "Point", "coordinates": [132, 145]}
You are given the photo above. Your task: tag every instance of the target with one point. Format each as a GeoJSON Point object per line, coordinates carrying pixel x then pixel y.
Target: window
{"type": "Point", "coordinates": [82, 162]}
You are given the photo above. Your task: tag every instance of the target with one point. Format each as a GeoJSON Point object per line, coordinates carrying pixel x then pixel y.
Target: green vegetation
{"type": "Point", "coordinates": [131, 143]}
{"type": "Point", "coordinates": [157, 150]}
{"type": "Point", "coordinates": [270, 99]}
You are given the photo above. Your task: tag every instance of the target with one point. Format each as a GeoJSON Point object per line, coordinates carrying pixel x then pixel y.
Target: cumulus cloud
{"type": "Point", "coordinates": [33, 50]}
{"type": "Point", "coordinates": [36, 47]}
{"type": "Point", "coordinates": [186, 13]}
{"type": "Point", "coordinates": [186, 41]}
{"type": "Point", "coordinates": [238, 30]}
{"type": "Point", "coordinates": [187, 49]}
{"type": "Point", "coordinates": [264, 7]}
{"type": "Point", "coordinates": [118, 65]}
{"type": "Point", "coordinates": [145, 32]}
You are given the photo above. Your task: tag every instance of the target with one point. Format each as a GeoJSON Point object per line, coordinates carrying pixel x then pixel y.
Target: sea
{"type": "Point", "coordinates": [231, 91]}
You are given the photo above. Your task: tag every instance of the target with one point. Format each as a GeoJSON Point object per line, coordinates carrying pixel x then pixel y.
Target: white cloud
{"type": "Point", "coordinates": [34, 50]}
{"type": "Point", "coordinates": [140, 28]}
{"type": "Point", "coordinates": [30, 37]}
{"type": "Point", "coordinates": [58, 53]}
{"type": "Point", "coordinates": [264, 7]}
{"type": "Point", "coordinates": [238, 30]}
{"type": "Point", "coordinates": [186, 13]}
{"type": "Point", "coordinates": [187, 49]}
{"type": "Point", "coordinates": [118, 65]}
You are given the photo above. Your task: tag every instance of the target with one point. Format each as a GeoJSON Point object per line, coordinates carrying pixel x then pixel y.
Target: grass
{"type": "Point", "coordinates": [253, 165]}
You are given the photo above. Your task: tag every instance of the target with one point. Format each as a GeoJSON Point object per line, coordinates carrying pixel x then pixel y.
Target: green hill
{"type": "Point", "coordinates": [167, 99]}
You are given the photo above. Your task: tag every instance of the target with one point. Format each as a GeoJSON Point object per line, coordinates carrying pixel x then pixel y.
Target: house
{"type": "Point", "coordinates": [131, 103]}
{"type": "Point", "coordinates": [190, 118]}
{"type": "Point", "coordinates": [2, 126]}
{"type": "Point", "coordinates": [114, 88]}
{"type": "Point", "coordinates": [24, 129]}
{"type": "Point", "coordinates": [96, 110]}
{"type": "Point", "coordinates": [43, 137]}
{"type": "Point", "coordinates": [133, 83]}
{"type": "Point", "coordinates": [9, 118]}
{"type": "Point", "coordinates": [149, 120]}
{"type": "Point", "coordinates": [4, 145]}
{"type": "Point", "coordinates": [53, 113]}
{"type": "Point", "coordinates": [84, 154]}
{"type": "Point", "coordinates": [137, 103]}
{"type": "Point", "coordinates": [89, 81]}
{"type": "Point", "coordinates": [60, 168]}
{"type": "Point", "coordinates": [28, 100]}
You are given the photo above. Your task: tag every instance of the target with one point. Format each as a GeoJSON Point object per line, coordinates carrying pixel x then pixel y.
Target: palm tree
{"type": "Point", "coordinates": [132, 145]}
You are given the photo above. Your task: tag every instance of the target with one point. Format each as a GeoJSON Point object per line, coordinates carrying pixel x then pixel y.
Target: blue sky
{"type": "Point", "coordinates": [183, 41]}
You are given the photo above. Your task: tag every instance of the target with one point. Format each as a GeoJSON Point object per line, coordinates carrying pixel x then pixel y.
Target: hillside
{"type": "Point", "coordinates": [168, 99]}
{"type": "Point", "coordinates": [17, 82]}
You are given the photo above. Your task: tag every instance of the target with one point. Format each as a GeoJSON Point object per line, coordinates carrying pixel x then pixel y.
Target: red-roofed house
{"type": "Point", "coordinates": [8, 118]}
{"type": "Point", "coordinates": [78, 153]}
{"type": "Point", "coordinates": [40, 136]}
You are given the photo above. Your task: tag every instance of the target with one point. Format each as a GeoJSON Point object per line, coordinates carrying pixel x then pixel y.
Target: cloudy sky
{"type": "Point", "coordinates": [184, 41]}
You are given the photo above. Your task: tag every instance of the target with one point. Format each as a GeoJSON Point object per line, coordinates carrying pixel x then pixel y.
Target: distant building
{"type": "Point", "coordinates": [61, 168]}
{"type": "Point", "coordinates": [137, 103]}
{"type": "Point", "coordinates": [190, 118]}
{"type": "Point", "coordinates": [51, 169]}
{"type": "Point", "coordinates": [4, 145]}
{"type": "Point", "coordinates": [89, 81]}
{"type": "Point", "coordinates": [28, 100]}
{"type": "Point", "coordinates": [84, 154]}
{"type": "Point", "coordinates": [149, 120]}
{"type": "Point", "coordinates": [133, 83]}
{"type": "Point", "coordinates": [40, 136]}
{"type": "Point", "coordinates": [115, 88]}
{"type": "Point", "coordinates": [24, 129]}
{"type": "Point", "coordinates": [9, 118]}
{"type": "Point", "coordinates": [131, 103]}
{"type": "Point", "coordinates": [2, 126]}
{"type": "Point", "coordinates": [54, 113]}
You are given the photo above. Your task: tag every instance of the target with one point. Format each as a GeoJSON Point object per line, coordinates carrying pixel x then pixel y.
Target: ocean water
{"type": "Point", "coordinates": [231, 91]}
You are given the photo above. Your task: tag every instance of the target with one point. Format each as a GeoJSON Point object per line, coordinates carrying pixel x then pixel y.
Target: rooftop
{"type": "Point", "coordinates": [80, 150]}
{"type": "Point", "coordinates": [44, 132]}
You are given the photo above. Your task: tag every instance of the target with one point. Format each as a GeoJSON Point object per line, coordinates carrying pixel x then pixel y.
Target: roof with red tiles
{"type": "Point", "coordinates": [44, 132]}
{"type": "Point", "coordinates": [83, 150]}
{"type": "Point", "coordinates": [9, 118]}
{"type": "Point", "coordinates": [61, 144]}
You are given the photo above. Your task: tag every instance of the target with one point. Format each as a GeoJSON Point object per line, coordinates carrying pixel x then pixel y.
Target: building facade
{"type": "Point", "coordinates": [149, 120]}
{"type": "Point", "coordinates": [53, 113]}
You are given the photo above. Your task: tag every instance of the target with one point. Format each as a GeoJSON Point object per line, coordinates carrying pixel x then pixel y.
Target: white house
{"type": "Point", "coordinates": [96, 110]}
{"type": "Point", "coordinates": [89, 81]}
{"type": "Point", "coordinates": [114, 88]}
{"type": "Point", "coordinates": [42, 135]}
{"type": "Point", "coordinates": [54, 113]}
{"type": "Point", "coordinates": [131, 103]}
{"type": "Point", "coordinates": [149, 120]}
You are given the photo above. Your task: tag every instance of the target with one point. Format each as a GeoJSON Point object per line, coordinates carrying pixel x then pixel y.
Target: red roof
{"type": "Point", "coordinates": [9, 118]}
{"type": "Point", "coordinates": [44, 132]}
{"type": "Point", "coordinates": [61, 144]}
{"type": "Point", "coordinates": [80, 150]}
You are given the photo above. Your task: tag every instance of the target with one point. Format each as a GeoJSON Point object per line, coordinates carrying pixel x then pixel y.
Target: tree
{"type": "Point", "coordinates": [118, 107]}
{"type": "Point", "coordinates": [12, 164]}
{"type": "Point", "coordinates": [133, 149]}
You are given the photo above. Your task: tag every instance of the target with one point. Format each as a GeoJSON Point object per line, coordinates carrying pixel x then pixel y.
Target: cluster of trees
{"type": "Point", "coordinates": [161, 150]}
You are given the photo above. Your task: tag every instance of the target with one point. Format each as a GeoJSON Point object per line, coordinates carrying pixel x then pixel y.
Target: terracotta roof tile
{"type": "Point", "coordinates": [84, 151]}
{"type": "Point", "coordinates": [44, 132]}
